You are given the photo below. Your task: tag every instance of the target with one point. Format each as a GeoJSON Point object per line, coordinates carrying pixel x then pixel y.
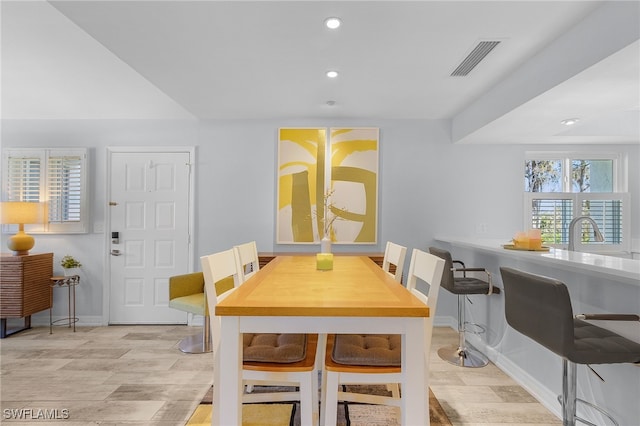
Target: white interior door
{"type": "Point", "coordinates": [149, 209]}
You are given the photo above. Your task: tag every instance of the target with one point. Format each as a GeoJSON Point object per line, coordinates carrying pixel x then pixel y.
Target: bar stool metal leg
{"type": "Point", "coordinates": [569, 399]}
{"type": "Point", "coordinates": [198, 343]}
{"type": "Point", "coordinates": [569, 382]}
{"type": "Point", "coordinates": [462, 355]}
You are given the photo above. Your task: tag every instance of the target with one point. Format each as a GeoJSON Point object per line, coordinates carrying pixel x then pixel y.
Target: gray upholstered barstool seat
{"type": "Point", "coordinates": [540, 308]}
{"type": "Point", "coordinates": [463, 355]}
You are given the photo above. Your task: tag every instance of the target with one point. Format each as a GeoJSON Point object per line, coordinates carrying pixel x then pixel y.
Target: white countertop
{"type": "Point", "coordinates": [627, 270]}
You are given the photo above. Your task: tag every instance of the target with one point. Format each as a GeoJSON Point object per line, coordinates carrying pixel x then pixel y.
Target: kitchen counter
{"type": "Point", "coordinates": [627, 270]}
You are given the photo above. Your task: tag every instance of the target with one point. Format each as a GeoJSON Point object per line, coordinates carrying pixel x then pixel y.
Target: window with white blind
{"type": "Point", "coordinates": [56, 177]}
{"type": "Point", "coordinates": [562, 186]}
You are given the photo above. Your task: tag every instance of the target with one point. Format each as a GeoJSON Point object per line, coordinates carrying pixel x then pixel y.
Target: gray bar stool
{"type": "Point", "coordinates": [540, 308]}
{"type": "Point", "coordinates": [463, 355]}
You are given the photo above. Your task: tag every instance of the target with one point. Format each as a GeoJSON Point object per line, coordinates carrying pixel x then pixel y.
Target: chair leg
{"type": "Point", "coordinates": [315, 402]}
{"type": "Point", "coordinates": [330, 403]}
{"type": "Point", "coordinates": [569, 383]}
{"type": "Point", "coordinates": [323, 396]}
{"type": "Point", "coordinates": [308, 404]}
{"type": "Point", "coordinates": [462, 355]}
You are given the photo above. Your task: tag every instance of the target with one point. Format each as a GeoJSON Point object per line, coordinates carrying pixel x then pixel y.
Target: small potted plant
{"type": "Point", "coordinates": [70, 265]}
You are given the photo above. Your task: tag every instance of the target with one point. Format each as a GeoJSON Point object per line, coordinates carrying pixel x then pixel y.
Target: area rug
{"type": "Point", "coordinates": [353, 414]}
{"type": "Point", "coordinates": [252, 415]}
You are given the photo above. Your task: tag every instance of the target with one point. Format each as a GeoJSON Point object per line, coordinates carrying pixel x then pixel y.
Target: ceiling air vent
{"type": "Point", "coordinates": [477, 54]}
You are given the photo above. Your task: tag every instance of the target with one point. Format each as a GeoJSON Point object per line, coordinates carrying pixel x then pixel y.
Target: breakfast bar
{"type": "Point", "coordinates": [597, 284]}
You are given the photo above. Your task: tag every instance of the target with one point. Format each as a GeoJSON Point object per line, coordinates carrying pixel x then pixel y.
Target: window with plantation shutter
{"type": "Point", "coordinates": [552, 213]}
{"type": "Point", "coordinates": [56, 177]}
{"type": "Point", "coordinates": [560, 187]}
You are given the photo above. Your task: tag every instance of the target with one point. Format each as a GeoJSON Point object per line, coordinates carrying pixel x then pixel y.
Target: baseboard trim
{"type": "Point", "coordinates": [540, 392]}
{"type": "Point", "coordinates": [83, 321]}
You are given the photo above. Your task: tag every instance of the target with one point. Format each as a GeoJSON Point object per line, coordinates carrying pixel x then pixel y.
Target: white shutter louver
{"type": "Point", "coordinates": [552, 213]}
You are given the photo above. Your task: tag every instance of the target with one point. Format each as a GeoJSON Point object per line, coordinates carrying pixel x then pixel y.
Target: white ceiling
{"type": "Point", "coordinates": [267, 60]}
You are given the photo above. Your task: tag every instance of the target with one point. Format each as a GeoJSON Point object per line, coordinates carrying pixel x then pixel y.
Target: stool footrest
{"type": "Point", "coordinates": [595, 407]}
{"type": "Point", "coordinates": [473, 328]}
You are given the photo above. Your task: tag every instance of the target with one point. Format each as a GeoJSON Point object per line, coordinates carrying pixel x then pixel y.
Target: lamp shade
{"type": "Point", "coordinates": [20, 212]}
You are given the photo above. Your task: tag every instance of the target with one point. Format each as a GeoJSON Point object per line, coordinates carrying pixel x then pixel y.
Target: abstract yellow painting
{"type": "Point", "coordinates": [314, 162]}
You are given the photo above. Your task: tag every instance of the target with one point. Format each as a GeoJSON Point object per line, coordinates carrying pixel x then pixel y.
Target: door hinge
{"type": "Point", "coordinates": [112, 203]}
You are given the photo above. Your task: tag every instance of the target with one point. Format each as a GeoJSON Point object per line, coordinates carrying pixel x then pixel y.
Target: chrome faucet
{"type": "Point", "coordinates": [596, 231]}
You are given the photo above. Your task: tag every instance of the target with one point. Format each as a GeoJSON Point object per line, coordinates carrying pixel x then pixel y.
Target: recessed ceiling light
{"type": "Point", "coordinates": [332, 74]}
{"type": "Point", "coordinates": [332, 23]}
{"type": "Point", "coordinates": [570, 121]}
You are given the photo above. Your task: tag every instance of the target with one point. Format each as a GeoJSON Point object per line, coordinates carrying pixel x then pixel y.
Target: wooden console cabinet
{"type": "Point", "coordinates": [24, 287]}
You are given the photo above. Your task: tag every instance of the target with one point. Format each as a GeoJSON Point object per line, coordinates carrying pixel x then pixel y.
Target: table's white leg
{"type": "Point", "coordinates": [227, 404]}
{"type": "Point", "coordinates": [415, 404]}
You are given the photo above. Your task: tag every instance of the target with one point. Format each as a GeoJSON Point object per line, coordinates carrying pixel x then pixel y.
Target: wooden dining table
{"type": "Point", "coordinates": [289, 295]}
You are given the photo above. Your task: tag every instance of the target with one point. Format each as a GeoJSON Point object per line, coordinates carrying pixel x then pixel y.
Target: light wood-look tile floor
{"type": "Point", "coordinates": [135, 375]}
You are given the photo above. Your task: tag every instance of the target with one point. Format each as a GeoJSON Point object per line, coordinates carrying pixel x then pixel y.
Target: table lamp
{"type": "Point", "coordinates": [19, 212]}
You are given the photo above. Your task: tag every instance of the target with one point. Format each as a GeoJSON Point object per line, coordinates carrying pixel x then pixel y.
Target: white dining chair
{"type": "Point", "coordinates": [349, 361]}
{"type": "Point", "coordinates": [394, 256]}
{"type": "Point", "coordinates": [278, 364]}
{"type": "Point", "coordinates": [393, 264]}
{"type": "Point", "coordinates": [249, 264]}
{"type": "Point", "coordinates": [247, 254]}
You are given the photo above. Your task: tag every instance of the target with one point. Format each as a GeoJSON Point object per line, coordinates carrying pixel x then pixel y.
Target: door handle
{"type": "Point", "coordinates": [116, 253]}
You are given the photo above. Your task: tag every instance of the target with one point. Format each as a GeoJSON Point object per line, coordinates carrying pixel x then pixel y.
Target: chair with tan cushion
{"type": "Point", "coordinates": [371, 358]}
{"type": "Point", "coordinates": [268, 359]}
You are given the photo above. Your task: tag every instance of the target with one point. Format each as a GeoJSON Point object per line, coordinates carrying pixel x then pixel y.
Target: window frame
{"type": "Point", "coordinates": [619, 165]}
{"type": "Point", "coordinates": [44, 186]}
{"type": "Point", "coordinates": [618, 194]}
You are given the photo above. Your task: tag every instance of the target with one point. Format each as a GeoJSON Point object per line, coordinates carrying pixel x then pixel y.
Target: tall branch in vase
{"type": "Point", "coordinates": [327, 220]}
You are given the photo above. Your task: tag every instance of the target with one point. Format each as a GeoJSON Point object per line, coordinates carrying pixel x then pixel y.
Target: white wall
{"type": "Point", "coordinates": [95, 135]}
{"type": "Point", "coordinates": [428, 186]}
